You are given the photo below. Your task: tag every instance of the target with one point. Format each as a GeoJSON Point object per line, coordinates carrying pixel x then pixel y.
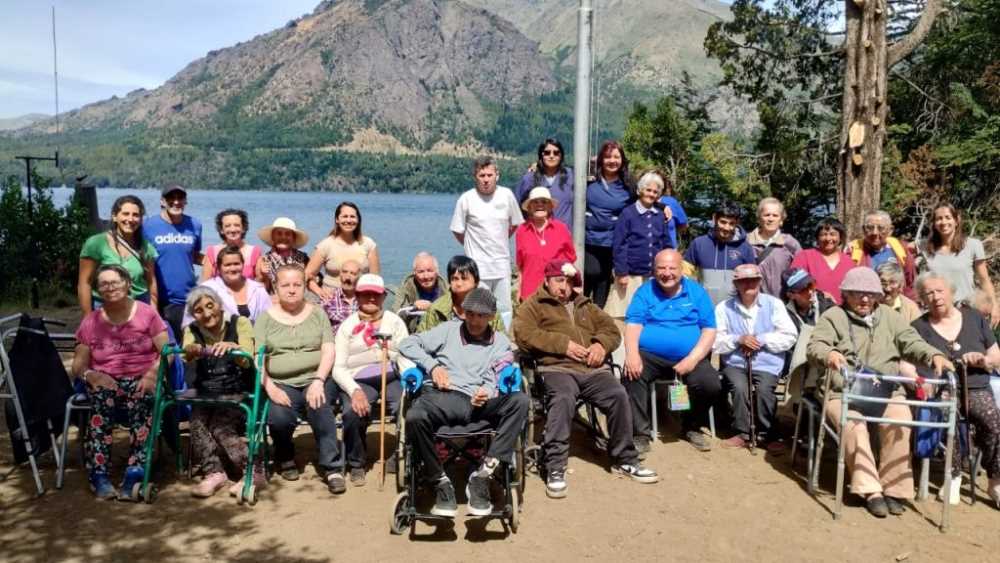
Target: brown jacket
{"type": "Point", "coordinates": [543, 328]}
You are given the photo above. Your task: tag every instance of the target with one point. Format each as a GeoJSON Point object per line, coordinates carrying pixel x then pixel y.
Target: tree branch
{"type": "Point", "coordinates": [902, 48]}
{"type": "Point", "coordinates": [913, 85]}
{"type": "Point", "coordinates": [774, 55]}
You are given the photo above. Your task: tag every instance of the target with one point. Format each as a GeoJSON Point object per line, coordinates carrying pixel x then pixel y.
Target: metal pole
{"type": "Point", "coordinates": [31, 222]}
{"type": "Point", "coordinates": [581, 132]}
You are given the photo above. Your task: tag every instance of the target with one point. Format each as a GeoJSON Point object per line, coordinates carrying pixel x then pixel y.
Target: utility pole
{"type": "Point", "coordinates": [581, 131]}
{"type": "Point", "coordinates": [31, 221]}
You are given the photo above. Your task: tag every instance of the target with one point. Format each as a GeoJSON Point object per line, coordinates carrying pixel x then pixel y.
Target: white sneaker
{"type": "Point", "coordinates": [956, 491]}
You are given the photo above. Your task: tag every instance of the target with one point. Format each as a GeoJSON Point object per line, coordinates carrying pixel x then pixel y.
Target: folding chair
{"type": "Point", "coordinates": [32, 376]}
{"type": "Point", "coordinates": [654, 432]}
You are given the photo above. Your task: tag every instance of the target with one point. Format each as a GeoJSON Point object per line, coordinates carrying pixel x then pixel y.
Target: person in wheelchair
{"type": "Point", "coordinates": [218, 434]}
{"type": "Point", "coordinates": [570, 338]}
{"type": "Point", "coordinates": [357, 368]}
{"type": "Point", "coordinates": [464, 359]}
{"type": "Point", "coordinates": [753, 325]}
{"type": "Point", "coordinates": [118, 358]}
{"type": "Point", "coordinates": [865, 334]}
{"type": "Point", "coordinates": [463, 277]}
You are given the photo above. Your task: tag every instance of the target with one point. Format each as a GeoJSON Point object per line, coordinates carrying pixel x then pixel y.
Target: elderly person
{"type": "Point", "coordinates": [539, 240]}
{"type": "Point", "coordinates": [343, 301]}
{"type": "Point", "coordinates": [464, 360]}
{"type": "Point", "coordinates": [299, 349]}
{"type": "Point", "coordinates": [218, 435]}
{"type": "Point", "coordinates": [669, 331]}
{"type": "Point", "coordinates": [550, 171]}
{"type": "Point", "coordinates": [878, 246]}
{"type": "Point", "coordinates": [640, 233]}
{"type": "Point", "coordinates": [285, 240]}
{"type": "Point", "coordinates": [774, 249]}
{"type": "Point", "coordinates": [965, 335]}
{"type": "Point", "coordinates": [463, 277]}
{"type": "Point", "coordinates": [959, 257]}
{"type": "Point", "coordinates": [239, 295]}
{"type": "Point", "coordinates": [344, 243]}
{"type": "Point", "coordinates": [865, 334]}
{"type": "Point", "coordinates": [571, 338]}
{"type": "Point", "coordinates": [357, 368]}
{"type": "Point", "coordinates": [232, 225]}
{"type": "Point", "coordinates": [753, 327]}
{"type": "Point", "coordinates": [827, 264]}
{"type": "Point", "coordinates": [118, 359]}
{"type": "Point", "coordinates": [804, 303]}
{"type": "Point", "coordinates": [891, 276]}
{"type": "Point", "coordinates": [419, 290]}
{"type": "Point", "coordinates": [718, 252]}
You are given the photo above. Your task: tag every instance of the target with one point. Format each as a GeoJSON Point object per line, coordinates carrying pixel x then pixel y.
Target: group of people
{"type": "Point", "coordinates": [734, 311]}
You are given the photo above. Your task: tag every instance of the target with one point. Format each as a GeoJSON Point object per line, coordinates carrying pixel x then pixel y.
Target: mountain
{"type": "Point", "coordinates": [422, 70]}
{"type": "Point", "coordinates": [647, 42]}
{"type": "Point", "coordinates": [11, 123]}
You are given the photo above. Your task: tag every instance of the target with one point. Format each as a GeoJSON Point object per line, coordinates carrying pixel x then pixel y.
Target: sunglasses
{"type": "Point", "coordinates": [551, 153]}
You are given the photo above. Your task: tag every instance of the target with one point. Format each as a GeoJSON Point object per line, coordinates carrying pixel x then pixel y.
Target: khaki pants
{"type": "Point", "coordinates": [894, 476]}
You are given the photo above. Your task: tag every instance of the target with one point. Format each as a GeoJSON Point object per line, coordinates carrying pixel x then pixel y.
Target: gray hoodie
{"type": "Point", "coordinates": [470, 364]}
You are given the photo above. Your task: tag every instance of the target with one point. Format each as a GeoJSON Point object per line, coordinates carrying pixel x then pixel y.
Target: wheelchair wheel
{"type": "Point", "coordinates": [148, 495]}
{"type": "Point", "coordinates": [400, 472]}
{"type": "Point", "coordinates": [401, 520]}
{"type": "Point", "coordinates": [532, 459]}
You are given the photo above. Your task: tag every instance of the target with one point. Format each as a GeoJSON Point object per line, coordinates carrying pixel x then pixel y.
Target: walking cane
{"type": "Point", "coordinates": [383, 340]}
{"type": "Point", "coordinates": [752, 392]}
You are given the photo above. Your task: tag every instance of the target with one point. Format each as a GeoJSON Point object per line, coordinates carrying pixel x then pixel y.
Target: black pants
{"type": "Point", "coordinates": [735, 382]}
{"type": "Point", "coordinates": [599, 388]}
{"type": "Point", "coordinates": [985, 419]}
{"type": "Point", "coordinates": [597, 266]}
{"type": "Point", "coordinates": [283, 421]}
{"type": "Point", "coordinates": [356, 427]}
{"type": "Point", "coordinates": [173, 314]}
{"type": "Point", "coordinates": [434, 409]}
{"type": "Point", "coordinates": [703, 385]}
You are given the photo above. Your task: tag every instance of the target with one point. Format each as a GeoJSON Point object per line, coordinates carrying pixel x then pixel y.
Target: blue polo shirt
{"type": "Point", "coordinates": [671, 325]}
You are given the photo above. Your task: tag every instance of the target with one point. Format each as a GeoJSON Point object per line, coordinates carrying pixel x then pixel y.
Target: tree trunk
{"type": "Point", "coordinates": [865, 107]}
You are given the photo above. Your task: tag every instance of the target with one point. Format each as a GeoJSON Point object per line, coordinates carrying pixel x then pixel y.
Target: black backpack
{"type": "Point", "coordinates": [221, 376]}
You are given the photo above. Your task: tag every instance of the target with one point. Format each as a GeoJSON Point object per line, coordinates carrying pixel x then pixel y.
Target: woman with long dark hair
{"type": "Point", "coordinates": [606, 198]}
{"type": "Point", "coordinates": [550, 171]}
{"type": "Point", "coordinates": [345, 242]}
{"type": "Point", "coordinates": [124, 245]}
{"type": "Point", "coordinates": [959, 258]}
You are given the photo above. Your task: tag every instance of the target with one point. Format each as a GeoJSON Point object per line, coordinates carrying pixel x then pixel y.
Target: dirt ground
{"type": "Point", "coordinates": [724, 505]}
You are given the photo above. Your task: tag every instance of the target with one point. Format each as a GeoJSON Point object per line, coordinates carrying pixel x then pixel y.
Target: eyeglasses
{"type": "Point", "coordinates": [551, 152]}
{"type": "Point", "coordinates": [876, 228]}
{"type": "Point", "coordinates": [108, 286]}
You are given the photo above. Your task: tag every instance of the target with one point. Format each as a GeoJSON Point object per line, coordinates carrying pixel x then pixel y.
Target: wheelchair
{"type": "Point", "coordinates": [455, 444]}
{"type": "Point", "coordinates": [253, 404]}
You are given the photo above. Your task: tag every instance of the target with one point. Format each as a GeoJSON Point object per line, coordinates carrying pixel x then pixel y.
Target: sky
{"type": "Point", "coordinates": [111, 47]}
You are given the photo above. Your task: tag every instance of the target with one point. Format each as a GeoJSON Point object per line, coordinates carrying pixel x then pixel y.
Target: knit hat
{"type": "Point", "coordinates": [862, 279]}
{"type": "Point", "coordinates": [370, 283]}
{"type": "Point", "coordinates": [560, 267]}
{"type": "Point", "coordinates": [481, 301]}
{"type": "Point", "coordinates": [747, 272]}
{"type": "Point", "coordinates": [797, 279]}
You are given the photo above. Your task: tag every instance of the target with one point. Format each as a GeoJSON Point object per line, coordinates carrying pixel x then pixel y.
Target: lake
{"type": "Point", "coordinates": [401, 224]}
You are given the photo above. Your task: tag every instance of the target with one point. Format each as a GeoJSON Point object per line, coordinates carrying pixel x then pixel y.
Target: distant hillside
{"type": "Point", "coordinates": [11, 123]}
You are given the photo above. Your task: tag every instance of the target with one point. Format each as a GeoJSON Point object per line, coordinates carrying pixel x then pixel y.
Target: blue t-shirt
{"type": "Point", "coordinates": [679, 218]}
{"type": "Point", "coordinates": [176, 245]}
{"type": "Point", "coordinates": [883, 256]}
{"type": "Point", "coordinates": [671, 325]}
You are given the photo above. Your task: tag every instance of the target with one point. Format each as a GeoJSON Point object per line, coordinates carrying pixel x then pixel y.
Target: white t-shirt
{"type": "Point", "coordinates": [959, 268]}
{"type": "Point", "coordinates": [486, 223]}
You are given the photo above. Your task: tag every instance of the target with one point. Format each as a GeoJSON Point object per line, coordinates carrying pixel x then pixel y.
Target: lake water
{"type": "Point", "coordinates": [401, 224]}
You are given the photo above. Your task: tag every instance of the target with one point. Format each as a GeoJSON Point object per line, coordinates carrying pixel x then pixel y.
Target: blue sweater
{"type": "Point", "coordinates": [638, 237]}
{"type": "Point", "coordinates": [604, 205]}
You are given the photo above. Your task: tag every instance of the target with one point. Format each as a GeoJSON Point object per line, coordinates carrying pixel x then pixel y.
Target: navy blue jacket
{"type": "Point", "coordinates": [638, 237]}
{"type": "Point", "coordinates": [604, 205]}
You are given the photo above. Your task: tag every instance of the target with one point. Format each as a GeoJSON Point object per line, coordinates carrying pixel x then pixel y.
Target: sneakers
{"type": "Point", "coordinates": [478, 491]}
{"type": "Point", "coordinates": [289, 471]}
{"type": "Point", "coordinates": [636, 472]}
{"type": "Point", "coordinates": [133, 476]}
{"type": "Point", "coordinates": [736, 441]}
{"type": "Point", "coordinates": [101, 485]}
{"type": "Point", "coordinates": [335, 482]}
{"type": "Point", "coordinates": [445, 503]}
{"type": "Point", "coordinates": [209, 485]}
{"type": "Point", "coordinates": [555, 484]}
{"type": "Point", "coordinates": [698, 440]}
{"type": "Point", "coordinates": [956, 491]}
{"type": "Point", "coordinates": [358, 476]}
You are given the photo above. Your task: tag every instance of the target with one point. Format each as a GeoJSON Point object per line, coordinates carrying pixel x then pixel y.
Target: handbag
{"type": "Point", "coordinates": [876, 388]}
{"type": "Point", "coordinates": [677, 396]}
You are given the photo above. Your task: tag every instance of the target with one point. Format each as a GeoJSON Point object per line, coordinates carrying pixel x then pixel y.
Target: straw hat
{"type": "Point", "coordinates": [539, 192]}
{"type": "Point", "coordinates": [301, 238]}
